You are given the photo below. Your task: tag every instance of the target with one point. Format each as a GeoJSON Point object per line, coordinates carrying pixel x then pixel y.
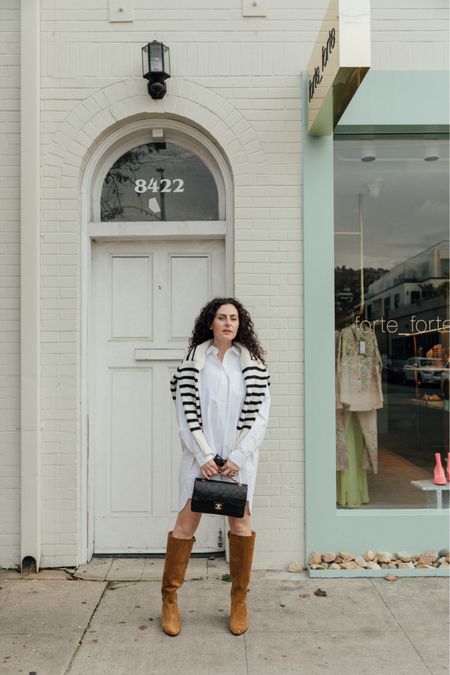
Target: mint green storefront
{"type": "Point", "coordinates": [391, 111]}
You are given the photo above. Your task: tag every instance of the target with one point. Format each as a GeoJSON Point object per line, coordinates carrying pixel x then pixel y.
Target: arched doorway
{"type": "Point", "coordinates": [158, 209]}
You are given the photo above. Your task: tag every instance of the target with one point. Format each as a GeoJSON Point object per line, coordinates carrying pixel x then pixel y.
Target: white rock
{"type": "Point", "coordinates": [334, 566]}
{"type": "Point", "coordinates": [349, 565]}
{"type": "Point", "coordinates": [405, 565]}
{"type": "Point", "coordinates": [404, 556]}
{"type": "Point", "coordinates": [346, 556]}
{"type": "Point", "coordinates": [372, 565]}
{"type": "Point", "coordinates": [294, 566]}
{"type": "Point", "coordinates": [329, 557]}
{"type": "Point", "coordinates": [384, 557]}
{"type": "Point", "coordinates": [369, 555]}
{"type": "Point", "coordinates": [314, 559]}
{"type": "Point", "coordinates": [359, 560]}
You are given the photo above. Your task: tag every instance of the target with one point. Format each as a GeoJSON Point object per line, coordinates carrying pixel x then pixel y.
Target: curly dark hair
{"type": "Point", "coordinates": [246, 332]}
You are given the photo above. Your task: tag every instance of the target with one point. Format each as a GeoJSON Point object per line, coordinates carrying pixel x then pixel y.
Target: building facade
{"type": "Point", "coordinates": [100, 281]}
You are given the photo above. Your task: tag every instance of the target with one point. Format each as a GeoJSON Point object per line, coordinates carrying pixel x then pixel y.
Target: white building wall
{"type": "Point", "coordinates": [248, 71]}
{"type": "Point", "coordinates": [9, 283]}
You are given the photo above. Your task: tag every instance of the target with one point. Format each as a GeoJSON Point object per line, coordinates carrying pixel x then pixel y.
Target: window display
{"type": "Point", "coordinates": [392, 319]}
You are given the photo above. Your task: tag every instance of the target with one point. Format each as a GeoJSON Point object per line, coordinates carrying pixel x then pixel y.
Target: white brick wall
{"type": "Point", "coordinates": [247, 70]}
{"type": "Point", "coordinates": [9, 283]}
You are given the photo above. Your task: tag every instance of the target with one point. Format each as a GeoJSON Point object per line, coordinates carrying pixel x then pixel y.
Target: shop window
{"type": "Point", "coordinates": [391, 231]}
{"type": "Point", "coordinates": [159, 182]}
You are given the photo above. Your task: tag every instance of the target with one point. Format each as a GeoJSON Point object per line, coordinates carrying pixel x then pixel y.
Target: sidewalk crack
{"type": "Point", "coordinates": [401, 627]}
{"type": "Point", "coordinates": [246, 657]}
{"type": "Point", "coordinates": [88, 625]}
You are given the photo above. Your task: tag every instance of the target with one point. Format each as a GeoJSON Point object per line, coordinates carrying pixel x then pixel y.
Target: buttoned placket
{"type": "Point", "coordinates": [226, 449]}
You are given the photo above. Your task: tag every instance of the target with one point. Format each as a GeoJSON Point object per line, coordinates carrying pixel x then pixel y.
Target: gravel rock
{"type": "Point", "coordinates": [447, 557]}
{"type": "Point", "coordinates": [359, 560]}
{"type": "Point", "coordinates": [369, 555]}
{"type": "Point", "coordinates": [444, 564]}
{"type": "Point", "coordinates": [443, 552]}
{"type": "Point", "coordinates": [405, 565]}
{"type": "Point", "coordinates": [334, 566]}
{"type": "Point", "coordinates": [384, 557]}
{"type": "Point", "coordinates": [346, 556]}
{"type": "Point", "coordinates": [372, 565]}
{"type": "Point", "coordinates": [329, 557]}
{"type": "Point", "coordinates": [425, 560]}
{"type": "Point", "coordinates": [433, 555]}
{"type": "Point", "coordinates": [404, 556]}
{"type": "Point", "coordinates": [317, 567]}
{"type": "Point", "coordinates": [314, 559]}
{"type": "Point", "coordinates": [294, 566]}
{"type": "Point", "coordinates": [350, 565]}
{"type": "Point", "coordinates": [391, 577]}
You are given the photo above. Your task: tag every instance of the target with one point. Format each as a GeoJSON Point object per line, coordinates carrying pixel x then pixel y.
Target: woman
{"type": "Point", "coordinates": [221, 392]}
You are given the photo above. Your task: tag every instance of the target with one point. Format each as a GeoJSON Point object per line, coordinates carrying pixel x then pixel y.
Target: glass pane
{"type": "Point", "coordinates": [392, 320]}
{"type": "Point", "coordinates": [159, 181]}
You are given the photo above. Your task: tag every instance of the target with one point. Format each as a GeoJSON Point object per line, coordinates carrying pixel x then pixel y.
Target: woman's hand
{"type": "Point", "coordinates": [209, 469]}
{"type": "Point", "coordinates": [229, 469]}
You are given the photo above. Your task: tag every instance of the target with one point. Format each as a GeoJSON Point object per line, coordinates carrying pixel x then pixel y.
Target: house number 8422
{"type": "Point", "coordinates": [163, 185]}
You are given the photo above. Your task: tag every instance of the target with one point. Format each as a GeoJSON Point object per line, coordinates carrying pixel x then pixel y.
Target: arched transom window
{"type": "Point", "coordinates": [159, 182]}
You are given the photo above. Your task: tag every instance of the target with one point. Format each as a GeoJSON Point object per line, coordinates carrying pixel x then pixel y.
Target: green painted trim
{"type": "Point", "coordinates": [387, 102]}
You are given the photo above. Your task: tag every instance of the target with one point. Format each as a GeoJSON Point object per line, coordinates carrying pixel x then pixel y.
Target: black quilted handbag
{"type": "Point", "coordinates": [219, 497]}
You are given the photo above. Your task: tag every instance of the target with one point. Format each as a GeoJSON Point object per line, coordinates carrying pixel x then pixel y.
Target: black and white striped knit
{"type": "Point", "coordinates": [186, 378]}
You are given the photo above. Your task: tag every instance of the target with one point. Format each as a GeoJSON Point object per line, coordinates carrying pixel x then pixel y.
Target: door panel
{"type": "Point", "coordinates": [131, 296]}
{"type": "Point", "coordinates": [190, 286]}
{"type": "Point", "coordinates": [145, 298]}
{"type": "Point", "coordinates": [131, 443]}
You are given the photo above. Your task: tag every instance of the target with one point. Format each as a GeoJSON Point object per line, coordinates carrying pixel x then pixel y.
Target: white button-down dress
{"type": "Point", "coordinates": [222, 392]}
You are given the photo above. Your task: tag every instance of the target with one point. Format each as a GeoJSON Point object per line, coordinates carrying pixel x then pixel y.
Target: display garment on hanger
{"type": "Point", "coordinates": [359, 369]}
{"type": "Point", "coordinates": [358, 389]}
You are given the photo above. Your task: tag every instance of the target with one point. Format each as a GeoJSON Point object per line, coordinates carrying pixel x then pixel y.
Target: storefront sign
{"type": "Point", "coordinates": [338, 63]}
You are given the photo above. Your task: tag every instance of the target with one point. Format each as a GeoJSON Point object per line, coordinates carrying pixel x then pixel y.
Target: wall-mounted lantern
{"type": "Point", "coordinates": [156, 67]}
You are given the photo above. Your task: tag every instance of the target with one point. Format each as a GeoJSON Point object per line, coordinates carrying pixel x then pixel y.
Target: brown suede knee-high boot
{"type": "Point", "coordinates": [177, 557]}
{"type": "Point", "coordinates": [241, 558]}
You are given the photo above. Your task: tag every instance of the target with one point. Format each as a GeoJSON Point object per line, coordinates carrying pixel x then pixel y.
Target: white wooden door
{"type": "Point", "coordinates": [146, 296]}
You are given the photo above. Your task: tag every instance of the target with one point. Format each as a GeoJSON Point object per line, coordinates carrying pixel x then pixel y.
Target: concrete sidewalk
{"type": "Point", "coordinates": [105, 619]}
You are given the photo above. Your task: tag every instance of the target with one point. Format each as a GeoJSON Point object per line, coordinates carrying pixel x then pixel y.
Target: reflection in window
{"type": "Point", "coordinates": [392, 319]}
{"type": "Point", "coordinates": [159, 182]}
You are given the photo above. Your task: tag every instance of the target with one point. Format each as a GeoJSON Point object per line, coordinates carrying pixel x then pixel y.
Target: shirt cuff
{"type": "Point", "coordinates": [201, 459]}
{"type": "Point", "coordinates": [237, 457]}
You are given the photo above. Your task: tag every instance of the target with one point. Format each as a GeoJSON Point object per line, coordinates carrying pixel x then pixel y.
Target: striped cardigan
{"type": "Point", "coordinates": [186, 376]}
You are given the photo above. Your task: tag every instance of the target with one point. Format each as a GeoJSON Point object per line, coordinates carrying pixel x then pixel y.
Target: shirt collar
{"type": "Point", "coordinates": [212, 349]}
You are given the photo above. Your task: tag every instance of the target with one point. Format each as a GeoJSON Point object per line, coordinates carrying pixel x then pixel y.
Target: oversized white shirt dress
{"type": "Point", "coordinates": [222, 392]}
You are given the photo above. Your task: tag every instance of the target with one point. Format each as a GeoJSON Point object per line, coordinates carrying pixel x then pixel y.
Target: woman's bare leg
{"type": "Point", "coordinates": [241, 526]}
{"type": "Point", "coordinates": [186, 523]}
